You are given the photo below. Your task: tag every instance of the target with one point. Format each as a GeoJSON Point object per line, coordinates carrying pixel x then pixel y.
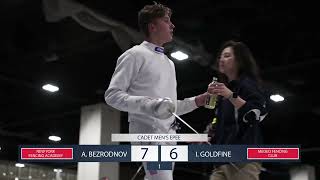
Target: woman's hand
{"type": "Point", "coordinates": [219, 89]}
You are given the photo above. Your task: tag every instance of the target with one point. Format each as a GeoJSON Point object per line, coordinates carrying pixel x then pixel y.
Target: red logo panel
{"type": "Point", "coordinates": [46, 153]}
{"type": "Point", "coordinates": [273, 153]}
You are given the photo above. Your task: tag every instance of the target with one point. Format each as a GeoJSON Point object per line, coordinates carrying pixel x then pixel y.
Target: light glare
{"type": "Point", "coordinates": [179, 55]}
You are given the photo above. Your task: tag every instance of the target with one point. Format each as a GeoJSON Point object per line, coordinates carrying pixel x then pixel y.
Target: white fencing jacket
{"type": "Point", "coordinates": [142, 72]}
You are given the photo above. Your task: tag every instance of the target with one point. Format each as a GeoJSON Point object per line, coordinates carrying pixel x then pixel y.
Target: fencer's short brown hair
{"type": "Point", "coordinates": [149, 13]}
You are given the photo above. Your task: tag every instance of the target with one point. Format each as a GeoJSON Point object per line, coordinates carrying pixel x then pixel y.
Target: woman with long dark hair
{"type": "Point", "coordinates": [241, 107]}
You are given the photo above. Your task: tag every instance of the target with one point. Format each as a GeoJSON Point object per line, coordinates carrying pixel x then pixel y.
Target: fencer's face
{"type": "Point", "coordinates": [227, 61]}
{"type": "Point", "coordinates": [162, 29]}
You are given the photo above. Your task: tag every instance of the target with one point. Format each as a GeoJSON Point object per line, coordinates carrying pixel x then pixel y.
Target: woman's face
{"type": "Point", "coordinates": [227, 61]}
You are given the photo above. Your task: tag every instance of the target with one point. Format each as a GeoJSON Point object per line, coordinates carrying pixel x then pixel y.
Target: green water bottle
{"type": "Point", "coordinates": [212, 99]}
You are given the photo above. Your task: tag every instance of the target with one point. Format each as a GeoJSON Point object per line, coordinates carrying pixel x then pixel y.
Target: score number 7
{"type": "Point", "coordinates": [146, 150]}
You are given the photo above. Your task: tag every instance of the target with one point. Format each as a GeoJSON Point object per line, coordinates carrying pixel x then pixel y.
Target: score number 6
{"type": "Point", "coordinates": [173, 155]}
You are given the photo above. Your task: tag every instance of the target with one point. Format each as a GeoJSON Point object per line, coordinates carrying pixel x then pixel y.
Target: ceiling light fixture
{"type": "Point", "coordinates": [57, 170]}
{"type": "Point", "coordinates": [50, 88]}
{"type": "Point", "coordinates": [179, 55]}
{"type": "Point", "coordinates": [277, 98]}
{"type": "Point", "coordinates": [54, 138]}
{"type": "Point", "coordinates": [19, 165]}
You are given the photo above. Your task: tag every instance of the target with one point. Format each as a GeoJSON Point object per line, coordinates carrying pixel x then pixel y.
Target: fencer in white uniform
{"type": "Point", "coordinates": [144, 85]}
{"type": "Point", "coordinates": [144, 82]}
{"type": "Point", "coordinates": [144, 76]}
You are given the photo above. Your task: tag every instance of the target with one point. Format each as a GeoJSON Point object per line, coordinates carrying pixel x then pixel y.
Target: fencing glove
{"type": "Point", "coordinates": [161, 108]}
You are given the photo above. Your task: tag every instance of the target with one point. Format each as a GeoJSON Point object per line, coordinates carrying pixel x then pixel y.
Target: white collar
{"type": "Point", "coordinates": [153, 47]}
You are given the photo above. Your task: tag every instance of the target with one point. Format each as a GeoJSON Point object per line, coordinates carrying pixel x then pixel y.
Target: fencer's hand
{"type": "Point", "coordinates": [201, 99]}
{"type": "Point", "coordinates": [163, 108]}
